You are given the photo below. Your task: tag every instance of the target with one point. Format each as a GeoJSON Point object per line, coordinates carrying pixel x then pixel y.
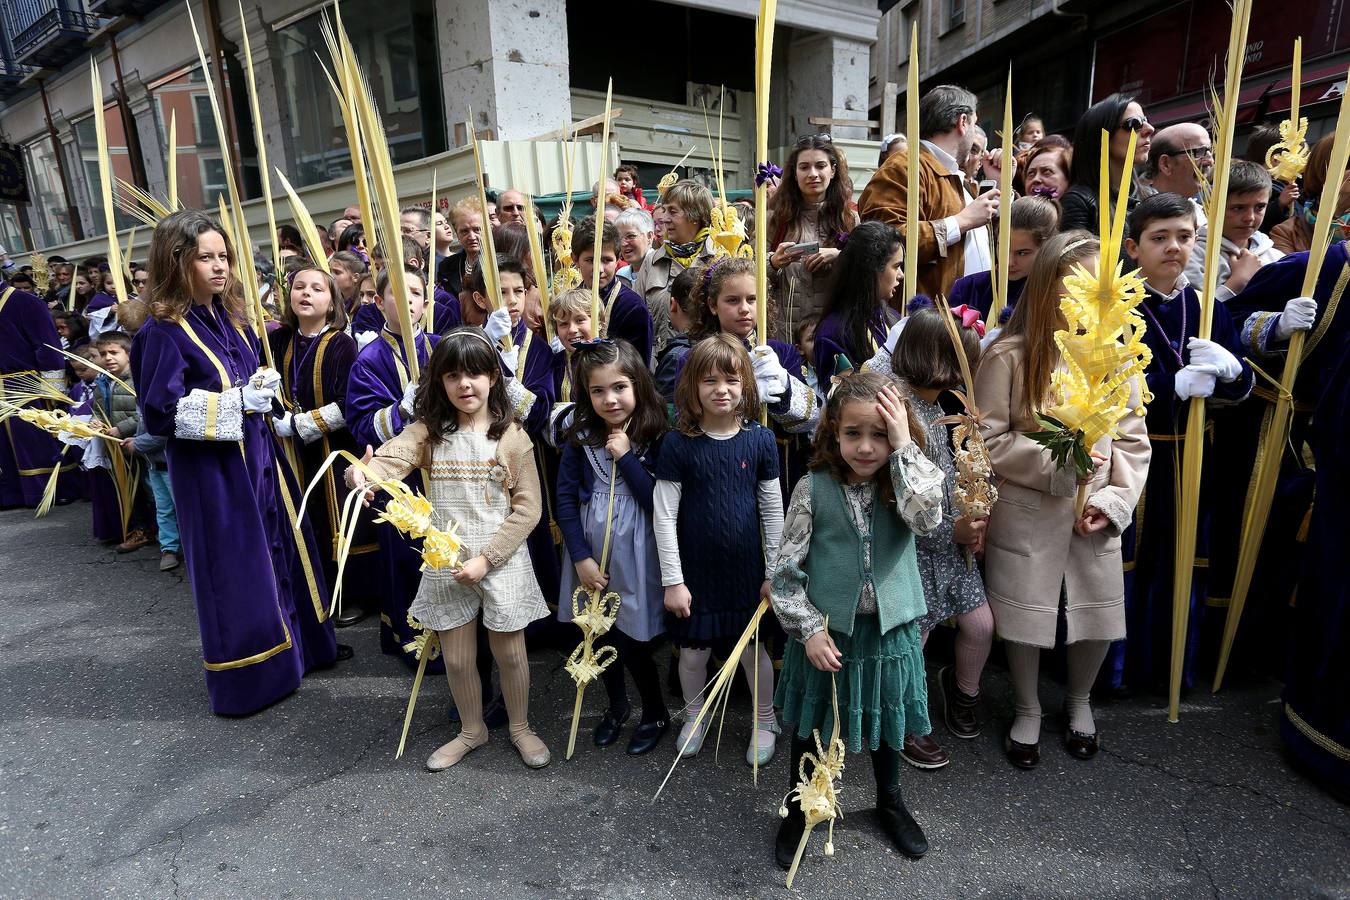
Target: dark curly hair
{"type": "Point", "coordinates": [860, 387]}
{"type": "Point", "coordinates": [464, 349]}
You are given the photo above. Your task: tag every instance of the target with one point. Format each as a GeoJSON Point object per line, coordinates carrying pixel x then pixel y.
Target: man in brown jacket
{"type": "Point", "coordinates": [953, 232]}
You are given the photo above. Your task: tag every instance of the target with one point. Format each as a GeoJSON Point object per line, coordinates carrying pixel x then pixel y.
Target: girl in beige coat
{"type": "Point", "coordinates": [1038, 553]}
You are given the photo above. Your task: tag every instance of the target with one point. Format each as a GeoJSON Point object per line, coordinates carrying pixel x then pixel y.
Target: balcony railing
{"type": "Point", "coordinates": [46, 33]}
{"type": "Point", "coordinates": [111, 8]}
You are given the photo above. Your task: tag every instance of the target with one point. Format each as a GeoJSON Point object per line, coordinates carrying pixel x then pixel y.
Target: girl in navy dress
{"type": "Point", "coordinates": [617, 426]}
{"type": "Point", "coordinates": [717, 515]}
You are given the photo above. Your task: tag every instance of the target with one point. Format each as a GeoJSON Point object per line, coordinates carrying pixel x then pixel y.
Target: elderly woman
{"type": "Point", "coordinates": [813, 205]}
{"type": "Point", "coordinates": [687, 210]}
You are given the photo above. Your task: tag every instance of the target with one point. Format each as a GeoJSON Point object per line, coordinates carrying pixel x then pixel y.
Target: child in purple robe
{"type": "Point", "coordinates": [623, 312]}
{"type": "Point", "coordinates": [857, 315]}
{"type": "Point", "coordinates": [257, 579]}
{"type": "Point", "coordinates": [379, 405]}
{"type": "Point", "coordinates": [315, 357]}
{"type": "Point", "coordinates": [27, 454]}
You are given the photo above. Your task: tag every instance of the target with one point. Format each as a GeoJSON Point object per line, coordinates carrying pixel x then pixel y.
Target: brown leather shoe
{"type": "Point", "coordinates": [1024, 756]}
{"type": "Point", "coordinates": [135, 541]}
{"type": "Point", "coordinates": [959, 710]}
{"type": "Point", "coordinates": [924, 753]}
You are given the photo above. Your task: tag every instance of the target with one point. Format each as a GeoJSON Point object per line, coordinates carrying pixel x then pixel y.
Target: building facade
{"type": "Point", "coordinates": [524, 68]}
{"type": "Point", "coordinates": [1067, 54]}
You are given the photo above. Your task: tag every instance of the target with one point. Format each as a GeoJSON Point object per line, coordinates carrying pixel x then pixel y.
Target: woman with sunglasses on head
{"type": "Point", "coordinates": [1118, 115]}
{"type": "Point", "coordinates": [812, 206]}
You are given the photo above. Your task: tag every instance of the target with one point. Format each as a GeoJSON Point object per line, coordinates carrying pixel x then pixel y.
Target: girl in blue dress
{"type": "Point", "coordinates": [616, 429]}
{"type": "Point", "coordinates": [717, 515]}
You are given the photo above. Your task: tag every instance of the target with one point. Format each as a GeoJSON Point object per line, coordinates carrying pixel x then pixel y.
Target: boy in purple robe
{"type": "Point", "coordinates": [379, 401]}
{"type": "Point", "coordinates": [1184, 367]}
{"type": "Point", "coordinates": [256, 576]}
{"type": "Point", "coordinates": [623, 312]}
{"type": "Point", "coordinates": [28, 454]}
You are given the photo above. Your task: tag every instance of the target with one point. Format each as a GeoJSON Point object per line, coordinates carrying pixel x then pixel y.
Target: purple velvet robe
{"type": "Point", "coordinates": [832, 339]}
{"type": "Point", "coordinates": [1150, 542]}
{"type": "Point", "coordinates": [374, 391]}
{"type": "Point", "coordinates": [537, 376]}
{"type": "Point", "coordinates": [629, 319]}
{"type": "Point", "coordinates": [28, 454]}
{"type": "Point", "coordinates": [257, 579]}
{"type": "Point", "coordinates": [314, 373]}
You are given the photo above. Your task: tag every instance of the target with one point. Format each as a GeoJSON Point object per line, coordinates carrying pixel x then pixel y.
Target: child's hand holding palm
{"type": "Point", "coordinates": [822, 653]}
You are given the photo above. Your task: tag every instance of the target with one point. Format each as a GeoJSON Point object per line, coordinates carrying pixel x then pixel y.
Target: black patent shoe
{"type": "Point", "coordinates": [646, 736]}
{"type": "Point", "coordinates": [349, 616]}
{"type": "Point", "coordinates": [1079, 745]}
{"type": "Point", "coordinates": [607, 732]}
{"type": "Point", "coordinates": [1024, 756]}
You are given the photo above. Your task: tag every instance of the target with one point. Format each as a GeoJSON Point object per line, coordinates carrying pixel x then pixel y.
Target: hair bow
{"type": "Point", "coordinates": [707, 276]}
{"type": "Point", "coordinates": [970, 318]}
{"type": "Point", "coordinates": [766, 171]}
{"type": "Point", "coordinates": [592, 344]}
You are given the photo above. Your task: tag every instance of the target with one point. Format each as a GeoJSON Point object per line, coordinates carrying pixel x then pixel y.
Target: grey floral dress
{"type": "Point", "coordinates": [950, 586]}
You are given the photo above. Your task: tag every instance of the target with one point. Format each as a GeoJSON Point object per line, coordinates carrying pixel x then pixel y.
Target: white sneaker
{"type": "Point", "coordinates": [763, 743]}
{"type": "Point", "coordinates": [691, 741]}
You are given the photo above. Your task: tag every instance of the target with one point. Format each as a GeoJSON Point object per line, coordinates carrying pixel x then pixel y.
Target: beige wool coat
{"type": "Point", "coordinates": [1031, 549]}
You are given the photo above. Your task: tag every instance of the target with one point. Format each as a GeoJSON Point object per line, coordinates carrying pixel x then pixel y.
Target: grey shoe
{"type": "Point", "coordinates": [168, 561]}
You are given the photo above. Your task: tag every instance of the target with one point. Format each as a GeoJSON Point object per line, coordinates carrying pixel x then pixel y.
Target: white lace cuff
{"type": "Point", "coordinates": [210, 416]}
{"type": "Point", "coordinates": [802, 410]}
{"type": "Point", "coordinates": [55, 378]}
{"type": "Point", "coordinates": [519, 397]}
{"type": "Point", "coordinates": [312, 425]}
{"type": "Point", "coordinates": [880, 362]}
{"type": "Point", "coordinates": [559, 418]}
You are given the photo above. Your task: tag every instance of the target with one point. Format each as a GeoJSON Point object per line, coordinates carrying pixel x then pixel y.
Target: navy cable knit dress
{"type": "Point", "coordinates": [721, 549]}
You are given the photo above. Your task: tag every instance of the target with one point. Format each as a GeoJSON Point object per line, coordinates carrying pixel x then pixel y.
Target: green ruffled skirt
{"type": "Point", "coordinates": [883, 691]}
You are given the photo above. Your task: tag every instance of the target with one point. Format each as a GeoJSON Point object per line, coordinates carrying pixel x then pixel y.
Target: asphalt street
{"type": "Point", "coordinates": [115, 779]}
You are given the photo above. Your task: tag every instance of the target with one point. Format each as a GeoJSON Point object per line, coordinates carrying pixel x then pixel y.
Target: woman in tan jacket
{"type": "Point", "coordinates": [1039, 555]}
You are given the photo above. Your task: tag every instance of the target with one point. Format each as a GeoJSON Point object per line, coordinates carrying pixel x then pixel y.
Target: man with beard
{"type": "Point", "coordinates": [953, 227]}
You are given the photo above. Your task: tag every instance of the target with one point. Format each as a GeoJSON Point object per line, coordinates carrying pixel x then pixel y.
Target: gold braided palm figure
{"type": "Point", "coordinates": [817, 793]}
{"type": "Point", "coordinates": [1289, 157]}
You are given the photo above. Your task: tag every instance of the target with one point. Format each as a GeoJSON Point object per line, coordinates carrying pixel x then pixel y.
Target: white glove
{"type": "Point", "coordinates": [498, 326]}
{"type": "Point", "coordinates": [257, 397]}
{"type": "Point", "coordinates": [408, 403]}
{"type": "Point", "coordinates": [1194, 381]}
{"type": "Point", "coordinates": [270, 379]}
{"type": "Point", "coordinates": [284, 425]}
{"type": "Point", "coordinates": [509, 359]}
{"type": "Point", "coordinates": [893, 336]}
{"type": "Point", "coordinates": [771, 379]}
{"type": "Point", "coordinates": [556, 345]}
{"type": "Point", "coordinates": [1214, 356]}
{"type": "Point", "coordinates": [1298, 315]}
{"type": "Point", "coordinates": [365, 337]}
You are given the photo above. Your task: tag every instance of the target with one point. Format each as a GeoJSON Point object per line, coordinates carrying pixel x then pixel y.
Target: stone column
{"type": "Point", "coordinates": [507, 59]}
{"type": "Point", "coordinates": [79, 182]}
{"type": "Point", "coordinates": [826, 77]}
{"type": "Point", "coordinates": [275, 112]}
{"type": "Point", "coordinates": [154, 146]}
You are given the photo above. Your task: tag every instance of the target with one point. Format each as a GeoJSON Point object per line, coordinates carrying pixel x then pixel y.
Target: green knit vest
{"type": "Point", "coordinates": [834, 565]}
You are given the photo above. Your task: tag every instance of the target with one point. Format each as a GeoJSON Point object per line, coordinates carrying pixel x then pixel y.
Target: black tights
{"type": "Point", "coordinates": [636, 657]}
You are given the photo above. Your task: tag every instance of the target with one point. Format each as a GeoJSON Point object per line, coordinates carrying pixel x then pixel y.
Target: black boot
{"type": "Point", "coordinates": [896, 821]}
{"type": "Point", "coordinates": [791, 828]}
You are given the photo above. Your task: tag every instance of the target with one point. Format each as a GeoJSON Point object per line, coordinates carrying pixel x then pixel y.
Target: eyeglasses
{"type": "Point", "coordinates": [1192, 152]}
{"type": "Point", "coordinates": [1133, 123]}
{"type": "Point", "coordinates": [808, 138]}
